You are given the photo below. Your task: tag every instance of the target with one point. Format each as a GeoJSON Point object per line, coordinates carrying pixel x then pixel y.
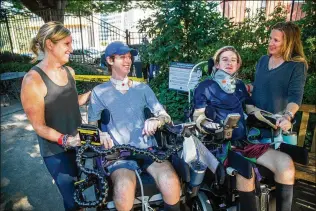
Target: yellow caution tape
{"type": "Point", "coordinates": [102, 78]}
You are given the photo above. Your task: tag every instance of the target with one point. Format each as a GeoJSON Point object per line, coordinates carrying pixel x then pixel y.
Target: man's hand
{"type": "Point", "coordinates": [73, 141]}
{"type": "Point", "coordinates": [106, 140]}
{"type": "Point", "coordinates": [283, 123]}
{"type": "Point", "coordinates": [150, 126]}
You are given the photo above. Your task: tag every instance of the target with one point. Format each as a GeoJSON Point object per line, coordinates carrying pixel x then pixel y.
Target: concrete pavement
{"type": "Point", "coordinates": [25, 182]}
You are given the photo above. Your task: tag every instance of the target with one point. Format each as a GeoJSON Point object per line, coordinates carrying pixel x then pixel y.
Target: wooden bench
{"type": "Point", "coordinates": [306, 172]}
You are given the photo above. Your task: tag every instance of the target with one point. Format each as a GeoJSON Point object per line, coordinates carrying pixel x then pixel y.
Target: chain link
{"type": "Point", "coordinates": [93, 176]}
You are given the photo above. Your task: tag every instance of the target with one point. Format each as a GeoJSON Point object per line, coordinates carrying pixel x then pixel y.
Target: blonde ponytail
{"type": "Point", "coordinates": [53, 31]}
{"type": "Point", "coordinates": [34, 47]}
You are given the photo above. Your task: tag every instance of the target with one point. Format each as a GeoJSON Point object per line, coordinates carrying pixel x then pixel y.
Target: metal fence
{"type": "Point", "coordinates": [90, 33]}
{"type": "Point", "coordinates": [239, 10]}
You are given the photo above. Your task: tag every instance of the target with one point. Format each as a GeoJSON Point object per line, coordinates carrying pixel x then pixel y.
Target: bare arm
{"type": "Point", "coordinates": [290, 108]}
{"type": "Point", "coordinates": [83, 98]}
{"type": "Point", "coordinates": [197, 113]}
{"type": "Point", "coordinates": [33, 92]}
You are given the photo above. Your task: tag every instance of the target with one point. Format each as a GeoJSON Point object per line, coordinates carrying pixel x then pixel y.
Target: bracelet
{"type": "Point", "coordinates": [286, 116]}
{"type": "Point", "coordinates": [60, 139]}
{"type": "Point", "coordinates": [65, 138]}
{"type": "Point", "coordinates": [290, 114]}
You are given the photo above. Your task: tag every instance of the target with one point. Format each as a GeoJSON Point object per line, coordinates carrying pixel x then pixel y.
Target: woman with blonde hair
{"type": "Point", "coordinates": [278, 88]}
{"type": "Point", "coordinates": [51, 103]}
{"type": "Point", "coordinates": [280, 76]}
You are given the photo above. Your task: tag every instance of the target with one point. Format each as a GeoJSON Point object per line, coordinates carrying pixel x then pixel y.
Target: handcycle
{"type": "Point", "coordinates": [170, 140]}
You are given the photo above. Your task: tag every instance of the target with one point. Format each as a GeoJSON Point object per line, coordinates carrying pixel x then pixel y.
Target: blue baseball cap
{"type": "Point", "coordinates": [119, 48]}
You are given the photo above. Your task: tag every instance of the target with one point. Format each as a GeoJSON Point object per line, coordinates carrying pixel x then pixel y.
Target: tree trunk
{"type": "Point", "coordinates": [48, 10]}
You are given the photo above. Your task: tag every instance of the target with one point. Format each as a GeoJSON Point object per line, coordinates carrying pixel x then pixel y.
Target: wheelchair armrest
{"type": "Point", "coordinates": [240, 164]}
{"type": "Point", "coordinates": [174, 129]}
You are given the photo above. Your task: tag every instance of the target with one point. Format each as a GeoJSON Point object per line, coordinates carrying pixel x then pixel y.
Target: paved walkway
{"type": "Point", "coordinates": [25, 182]}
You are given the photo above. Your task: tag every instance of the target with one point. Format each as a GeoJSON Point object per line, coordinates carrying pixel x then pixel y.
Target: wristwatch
{"type": "Point", "coordinates": [290, 114]}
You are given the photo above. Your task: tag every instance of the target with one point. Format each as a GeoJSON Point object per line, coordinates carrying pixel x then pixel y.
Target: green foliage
{"type": "Point", "coordinates": [182, 31]}
{"type": "Point", "coordinates": [104, 7]}
{"type": "Point", "coordinates": [15, 67]}
{"type": "Point", "coordinates": [191, 31]}
{"type": "Point", "coordinates": [308, 26]}
{"type": "Point", "coordinates": [9, 57]}
{"type": "Point", "coordinates": [168, 97]}
{"type": "Point", "coordinates": [310, 89]}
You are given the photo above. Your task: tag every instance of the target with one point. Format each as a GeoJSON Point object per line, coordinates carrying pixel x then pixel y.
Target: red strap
{"type": "Point", "coordinates": [60, 139]}
{"type": "Point", "coordinates": [248, 88]}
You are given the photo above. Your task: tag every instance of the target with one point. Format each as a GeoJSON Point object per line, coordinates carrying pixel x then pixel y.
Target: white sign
{"type": "Point", "coordinates": [179, 74]}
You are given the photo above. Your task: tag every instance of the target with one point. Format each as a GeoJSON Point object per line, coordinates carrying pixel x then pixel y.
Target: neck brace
{"type": "Point", "coordinates": [120, 85]}
{"type": "Point", "coordinates": [226, 81]}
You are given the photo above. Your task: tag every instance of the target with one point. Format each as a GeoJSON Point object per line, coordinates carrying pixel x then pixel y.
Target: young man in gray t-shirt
{"type": "Point", "coordinates": [126, 100]}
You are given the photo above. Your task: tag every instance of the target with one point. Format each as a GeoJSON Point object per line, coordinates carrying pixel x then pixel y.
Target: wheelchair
{"type": "Point", "coordinates": [94, 177]}
{"type": "Point", "coordinates": [225, 196]}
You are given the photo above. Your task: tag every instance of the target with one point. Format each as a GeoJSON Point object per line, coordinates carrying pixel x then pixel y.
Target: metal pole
{"type": "Point", "coordinates": [81, 36]}
{"type": "Point", "coordinates": [7, 24]}
{"type": "Point", "coordinates": [93, 38]}
{"type": "Point", "coordinates": [126, 34]}
{"type": "Point", "coordinates": [292, 8]}
{"type": "Point", "coordinates": [223, 8]}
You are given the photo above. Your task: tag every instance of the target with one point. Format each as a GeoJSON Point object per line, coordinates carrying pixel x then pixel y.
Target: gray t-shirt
{"type": "Point", "coordinates": [274, 89]}
{"type": "Point", "coordinates": [127, 112]}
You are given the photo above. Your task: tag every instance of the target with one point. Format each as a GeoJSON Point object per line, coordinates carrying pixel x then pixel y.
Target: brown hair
{"type": "Point", "coordinates": [292, 49]}
{"type": "Point", "coordinates": [109, 66]}
{"type": "Point", "coordinates": [218, 53]}
{"type": "Point", "coordinates": [53, 31]}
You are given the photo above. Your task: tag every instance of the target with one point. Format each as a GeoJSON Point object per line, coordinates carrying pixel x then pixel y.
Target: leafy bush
{"type": "Point", "coordinates": [191, 31]}
{"type": "Point", "coordinates": [9, 57]}
{"type": "Point", "coordinates": [182, 31]}
{"type": "Point", "coordinates": [310, 89]}
{"type": "Point", "coordinates": [308, 26]}
{"type": "Point", "coordinates": [15, 67]}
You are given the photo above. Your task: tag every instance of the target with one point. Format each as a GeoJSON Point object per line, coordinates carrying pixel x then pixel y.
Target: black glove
{"type": "Point", "coordinates": [220, 174]}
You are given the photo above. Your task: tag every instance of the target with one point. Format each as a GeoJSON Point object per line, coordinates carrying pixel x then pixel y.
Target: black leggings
{"type": "Point", "coordinates": [63, 169]}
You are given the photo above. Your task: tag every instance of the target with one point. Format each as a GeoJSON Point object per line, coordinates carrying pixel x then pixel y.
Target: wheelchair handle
{"type": "Point", "coordinates": [231, 171]}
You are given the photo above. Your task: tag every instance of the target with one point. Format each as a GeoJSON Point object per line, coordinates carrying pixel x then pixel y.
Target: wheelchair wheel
{"type": "Point", "coordinates": [201, 203]}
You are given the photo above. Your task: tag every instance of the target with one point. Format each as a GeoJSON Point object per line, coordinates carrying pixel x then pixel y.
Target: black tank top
{"type": "Point", "coordinates": [61, 111]}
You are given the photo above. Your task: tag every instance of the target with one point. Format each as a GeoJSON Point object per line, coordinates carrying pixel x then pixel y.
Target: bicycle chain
{"type": "Point", "coordinates": [93, 174]}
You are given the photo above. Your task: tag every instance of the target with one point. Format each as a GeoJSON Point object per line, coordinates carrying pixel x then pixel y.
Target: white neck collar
{"type": "Point", "coordinates": [120, 85]}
